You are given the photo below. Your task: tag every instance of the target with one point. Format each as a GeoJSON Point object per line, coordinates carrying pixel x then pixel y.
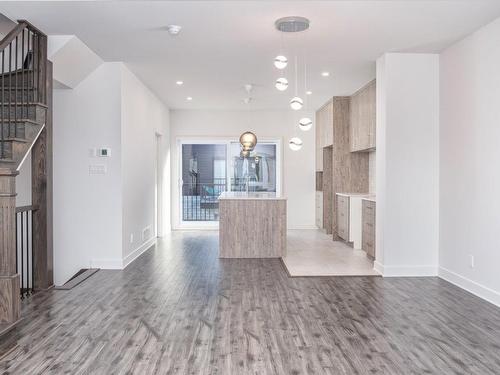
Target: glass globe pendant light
{"type": "Point", "coordinates": [305, 124]}
{"type": "Point", "coordinates": [295, 143]}
{"type": "Point", "coordinates": [280, 62]}
{"type": "Point", "coordinates": [248, 140]}
{"type": "Point", "coordinates": [281, 84]}
{"type": "Point", "coordinates": [296, 103]}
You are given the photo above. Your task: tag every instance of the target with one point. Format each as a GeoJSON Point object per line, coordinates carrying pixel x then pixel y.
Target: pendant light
{"type": "Point", "coordinates": [296, 103]}
{"type": "Point", "coordinates": [281, 84]}
{"type": "Point", "coordinates": [295, 143]}
{"type": "Point", "coordinates": [305, 123]}
{"type": "Point", "coordinates": [280, 62]}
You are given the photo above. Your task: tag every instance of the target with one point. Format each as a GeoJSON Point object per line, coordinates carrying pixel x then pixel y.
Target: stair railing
{"type": "Point", "coordinates": [23, 59]}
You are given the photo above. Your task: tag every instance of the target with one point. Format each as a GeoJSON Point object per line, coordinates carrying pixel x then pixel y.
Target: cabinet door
{"type": "Point", "coordinates": [343, 217]}
{"type": "Point", "coordinates": [319, 141]}
{"type": "Point", "coordinates": [368, 234]}
{"type": "Point", "coordinates": [363, 118]}
{"type": "Point", "coordinates": [319, 209]}
{"type": "Point", "coordinates": [328, 124]}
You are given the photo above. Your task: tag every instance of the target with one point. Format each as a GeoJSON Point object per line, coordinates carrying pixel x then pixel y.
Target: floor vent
{"type": "Point", "coordinates": [78, 278]}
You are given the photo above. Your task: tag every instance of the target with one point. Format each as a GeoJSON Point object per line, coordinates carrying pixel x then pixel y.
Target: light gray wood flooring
{"type": "Point", "coordinates": [179, 309]}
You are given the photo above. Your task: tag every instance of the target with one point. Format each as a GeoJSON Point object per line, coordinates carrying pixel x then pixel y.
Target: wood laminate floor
{"type": "Point", "coordinates": [178, 309]}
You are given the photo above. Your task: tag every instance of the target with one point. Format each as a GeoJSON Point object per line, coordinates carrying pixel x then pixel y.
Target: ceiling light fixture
{"type": "Point", "coordinates": [305, 124]}
{"type": "Point", "coordinates": [189, 98]}
{"type": "Point", "coordinates": [295, 144]}
{"type": "Point", "coordinates": [174, 29]}
{"type": "Point", "coordinates": [281, 84]}
{"type": "Point", "coordinates": [325, 74]}
{"type": "Point", "coordinates": [309, 92]}
{"type": "Point", "coordinates": [280, 62]}
{"type": "Point", "coordinates": [179, 83]}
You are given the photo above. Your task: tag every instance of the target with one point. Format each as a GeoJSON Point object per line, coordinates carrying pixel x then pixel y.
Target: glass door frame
{"type": "Point", "coordinates": [179, 223]}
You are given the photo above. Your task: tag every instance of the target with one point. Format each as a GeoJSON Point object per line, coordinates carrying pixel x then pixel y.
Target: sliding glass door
{"type": "Point", "coordinates": [209, 168]}
{"type": "Point", "coordinates": [203, 179]}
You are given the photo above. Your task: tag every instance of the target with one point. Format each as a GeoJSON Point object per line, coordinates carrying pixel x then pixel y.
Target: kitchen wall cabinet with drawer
{"type": "Point", "coordinates": [368, 218]}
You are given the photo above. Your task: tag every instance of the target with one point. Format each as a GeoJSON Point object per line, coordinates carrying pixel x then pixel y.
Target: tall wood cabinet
{"type": "Point", "coordinates": [363, 118]}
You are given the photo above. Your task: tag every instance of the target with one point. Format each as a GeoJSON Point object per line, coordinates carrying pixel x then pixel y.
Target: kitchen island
{"type": "Point", "coordinates": [252, 225]}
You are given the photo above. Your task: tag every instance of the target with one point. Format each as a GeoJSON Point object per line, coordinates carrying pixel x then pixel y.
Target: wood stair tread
{"type": "Point", "coordinates": [20, 104]}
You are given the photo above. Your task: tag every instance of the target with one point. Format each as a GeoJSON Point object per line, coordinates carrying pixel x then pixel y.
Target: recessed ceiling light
{"type": "Point", "coordinates": [325, 74]}
{"type": "Point", "coordinates": [189, 98]}
{"type": "Point", "coordinates": [309, 92]}
{"type": "Point", "coordinates": [174, 29]}
{"type": "Point", "coordinates": [179, 83]}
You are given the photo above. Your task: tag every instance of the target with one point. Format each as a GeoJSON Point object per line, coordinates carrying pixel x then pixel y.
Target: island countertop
{"type": "Point", "coordinates": [250, 195]}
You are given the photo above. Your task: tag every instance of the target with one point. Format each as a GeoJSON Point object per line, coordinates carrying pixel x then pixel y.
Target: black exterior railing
{"type": "Point", "coordinates": [200, 201]}
{"type": "Point", "coordinates": [23, 56]}
{"type": "Point", "coordinates": [25, 260]}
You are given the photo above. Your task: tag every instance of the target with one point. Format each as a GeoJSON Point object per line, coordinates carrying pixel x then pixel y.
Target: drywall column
{"type": "Point", "coordinates": [407, 162]}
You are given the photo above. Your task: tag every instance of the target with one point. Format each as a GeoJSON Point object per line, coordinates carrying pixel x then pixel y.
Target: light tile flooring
{"type": "Point", "coordinates": [313, 253]}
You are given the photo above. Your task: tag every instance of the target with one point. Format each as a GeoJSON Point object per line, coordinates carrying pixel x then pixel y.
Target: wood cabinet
{"type": "Point", "coordinates": [363, 118]}
{"type": "Point", "coordinates": [324, 132]}
{"type": "Point", "coordinates": [368, 235]}
{"type": "Point", "coordinates": [343, 217]}
{"type": "Point", "coordinates": [319, 209]}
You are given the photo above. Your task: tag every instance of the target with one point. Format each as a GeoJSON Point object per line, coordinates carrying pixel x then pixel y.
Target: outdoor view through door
{"type": "Point", "coordinates": [208, 169]}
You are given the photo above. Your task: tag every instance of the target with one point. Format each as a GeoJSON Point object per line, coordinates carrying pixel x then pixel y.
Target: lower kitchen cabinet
{"type": "Point", "coordinates": [343, 217]}
{"type": "Point", "coordinates": [319, 209]}
{"type": "Point", "coordinates": [368, 234]}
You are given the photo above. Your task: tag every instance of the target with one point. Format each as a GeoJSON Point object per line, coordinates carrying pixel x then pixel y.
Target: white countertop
{"type": "Point", "coordinates": [365, 196]}
{"type": "Point", "coordinates": [249, 195]}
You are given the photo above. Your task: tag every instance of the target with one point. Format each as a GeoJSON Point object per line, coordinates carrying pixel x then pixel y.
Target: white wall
{"type": "Point", "coordinates": [143, 117]}
{"type": "Point", "coordinates": [469, 163]}
{"type": "Point", "coordinates": [298, 167]}
{"type": "Point", "coordinates": [93, 212]}
{"type": "Point", "coordinates": [87, 208]}
{"type": "Point", "coordinates": [407, 181]}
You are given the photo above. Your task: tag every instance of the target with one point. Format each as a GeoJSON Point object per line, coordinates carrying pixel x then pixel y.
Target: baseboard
{"type": "Point", "coordinates": [405, 271]}
{"type": "Point", "coordinates": [107, 264]}
{"type": "Point", "coordinates": [378, 267]}
{"type": "Point", "coordinates": [299, 227]}
{"type": "Point", "coordinates": [473, 287]}
{"type": "Point", "coordinates": [137, 252]}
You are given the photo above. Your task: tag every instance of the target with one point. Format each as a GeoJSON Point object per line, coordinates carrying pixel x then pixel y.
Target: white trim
{"type": "Point", "coordinates": [138, 252]}
{"type": "Point", "coordinates": [473, 287]}
{"type": "Point", "coordinates": [304, 227]}
{"type": "Point", "coordinates": [107, 264]}
{"type": "Point", "coordinates": [405, 271]}
{"type": "Point", "coordinates": [379, 267]}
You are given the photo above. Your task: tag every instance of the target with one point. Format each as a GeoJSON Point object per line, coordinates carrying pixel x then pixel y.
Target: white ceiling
{"type": "Point", "coordinates": [225, 44]}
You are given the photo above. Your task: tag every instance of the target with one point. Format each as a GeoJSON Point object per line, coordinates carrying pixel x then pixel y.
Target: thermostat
{"type": "Point", "coordinates": [104, 152]}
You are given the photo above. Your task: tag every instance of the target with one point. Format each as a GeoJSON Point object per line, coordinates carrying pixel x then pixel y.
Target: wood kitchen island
{"type": "Point", "coordinates": [252, 225]}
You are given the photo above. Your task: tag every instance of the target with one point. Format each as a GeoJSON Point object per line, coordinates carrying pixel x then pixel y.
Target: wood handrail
{"type": "Point", "coordinates": [26, 208]}
{"type": "Point", "coordinates": [32, 27]}
{"type": "Point", "coordinates": [12, 34]}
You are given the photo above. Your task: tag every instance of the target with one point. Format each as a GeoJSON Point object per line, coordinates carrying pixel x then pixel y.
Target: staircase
{"type": "Point", "coordinates": [24, 111]}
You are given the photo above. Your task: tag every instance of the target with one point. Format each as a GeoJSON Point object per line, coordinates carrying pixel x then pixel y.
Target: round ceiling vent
{"type": "Point", "coordinates": [292, 24]}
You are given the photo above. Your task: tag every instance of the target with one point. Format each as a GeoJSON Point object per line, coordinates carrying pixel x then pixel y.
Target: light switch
{"type": "Point", "coordinates": [97, 169]}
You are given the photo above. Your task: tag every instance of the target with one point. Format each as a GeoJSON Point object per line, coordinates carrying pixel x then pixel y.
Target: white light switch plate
{"type": "Point", "coordinates": [97, 169]}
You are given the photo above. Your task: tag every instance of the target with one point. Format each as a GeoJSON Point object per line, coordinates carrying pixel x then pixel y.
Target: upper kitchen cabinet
{"type": "Point", "coordinates": [363, 119]}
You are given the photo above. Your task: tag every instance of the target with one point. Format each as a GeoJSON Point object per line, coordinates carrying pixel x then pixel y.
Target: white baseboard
{"type": "Point", "coordinates": [120, 264]}
{"type": "Point", "coordinates": [107, 264]}
{"type": "Point", "coordinates": [299, 227]}
{"type": "Point", "coordinates": [473, 287]}
{"type": "Point", "coordinates": [137, 252]}
{"type": "Point", "coordinates": [405, 271]}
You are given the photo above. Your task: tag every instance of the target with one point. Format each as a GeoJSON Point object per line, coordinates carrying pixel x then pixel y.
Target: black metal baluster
{"type": "Point", "coordinates": [32, 256]}
{"type": "Point", "coordinates": [2, 144]}
{"type": "Point", "coordinates": [15, 93]}
{"type": "Point", "coordinates": [7, 107]}
{"type": "Point", "coordinates": [27, 254]}
{"type": "Point", "coordinates": [28, 59]}
{"type": "Point", "coordinates": [22, 250]}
